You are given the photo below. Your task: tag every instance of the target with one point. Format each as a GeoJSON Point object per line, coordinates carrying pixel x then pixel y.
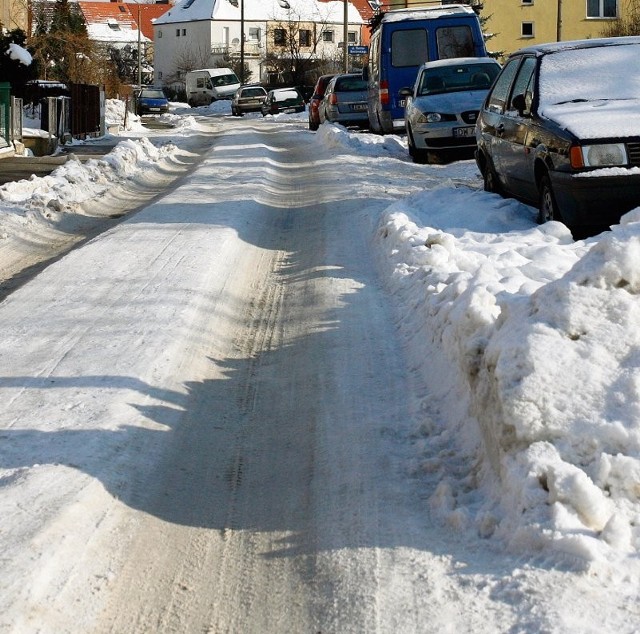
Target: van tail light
{"type": "Point", "coordinates": [384, 93]}
{"type": "Point", "coordinates": [333, 99]}
{"type": "Point", "coordinates": [575, 157]}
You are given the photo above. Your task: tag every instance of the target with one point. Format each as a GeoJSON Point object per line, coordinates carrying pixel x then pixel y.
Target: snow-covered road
{"type": "Point", "coordinates": [216, 417]}
{"type": "Point", "coordinates": [215, 407]}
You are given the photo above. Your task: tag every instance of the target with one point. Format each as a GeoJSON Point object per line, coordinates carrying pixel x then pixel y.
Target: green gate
{"type": "Point", "coordinates": [5, 114]}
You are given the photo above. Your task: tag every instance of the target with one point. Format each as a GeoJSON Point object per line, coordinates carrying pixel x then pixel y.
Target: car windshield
{"type": "Point", "coordinates": [225, 80]}
{"type": "Point", "coordinates": [603, 72]}
{"type": "Point", "coordinates": [152, 94]}
{"type": "Point", "coordinates": [443, 79]}
{"type": "Point", "coordinates": [350, 84]}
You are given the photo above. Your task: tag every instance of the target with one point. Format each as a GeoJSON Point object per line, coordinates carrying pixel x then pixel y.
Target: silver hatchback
{"type": "Point", "coordinates": [345, 101]}
{"type": "Point", "coordinates": [443, 105]}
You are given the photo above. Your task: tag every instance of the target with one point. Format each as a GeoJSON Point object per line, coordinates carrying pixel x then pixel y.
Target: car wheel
{"type": "Point", "coordinates": [313, 125]}
{"type": "Point", "coordinates": [490, 178]}
{"type": "Point", "coordinates": [418, 155]}
{"type": "Point", "coordinates": [548, 208]}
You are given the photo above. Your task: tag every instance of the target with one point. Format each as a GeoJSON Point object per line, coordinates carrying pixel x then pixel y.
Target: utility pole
{"type": "Point", "coordinates": [242, 41]}
{"type": "Point", "coordinates": [345, 36]}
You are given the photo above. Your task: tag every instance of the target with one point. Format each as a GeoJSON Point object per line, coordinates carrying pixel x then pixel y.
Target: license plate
{"type": "Point", "coordinates": [464, 132]}
{"type": "Point", "coordinates": [359, 106]}
{"type": "Point", "coordinates": [289, 110]}
{"type": "Point", "coordinates": [154, 109]}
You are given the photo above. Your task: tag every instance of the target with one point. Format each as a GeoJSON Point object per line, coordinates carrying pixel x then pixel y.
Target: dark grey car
{"type": "Point", "coordinates": [345, 101]}
{"type": "Point", "coordinates": [560, 129]}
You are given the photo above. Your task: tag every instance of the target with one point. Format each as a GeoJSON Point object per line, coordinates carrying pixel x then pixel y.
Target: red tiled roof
{"type": "Point", "coordinates": [125, 14]}
{"type": "Point", "coordinates": [148, 13]}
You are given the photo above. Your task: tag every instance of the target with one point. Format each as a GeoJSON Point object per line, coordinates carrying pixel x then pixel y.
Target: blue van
{"type": "Point", "coordinates": [402, 40]}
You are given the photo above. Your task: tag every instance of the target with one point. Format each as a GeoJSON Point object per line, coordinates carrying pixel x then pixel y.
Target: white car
{"type": "Point", "coordinates": [443, 105]}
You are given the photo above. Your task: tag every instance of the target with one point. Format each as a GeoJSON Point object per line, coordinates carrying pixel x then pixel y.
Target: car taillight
{"type": "Point", "coordinates": [333, 99]}
{"type": "Point", "coordinates": [384, 93]}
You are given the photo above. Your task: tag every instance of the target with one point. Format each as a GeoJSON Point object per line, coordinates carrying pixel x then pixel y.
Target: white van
{"type": "Point", "coordinates": [208, 84]}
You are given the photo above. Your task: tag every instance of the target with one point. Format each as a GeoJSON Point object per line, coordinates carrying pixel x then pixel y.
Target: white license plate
{"type": "Point", "coordinates": [289, 110]}
{"type": "Point", "coordinates": [464, 132]}
{"type": "Point", "coordinates": [359, 106]}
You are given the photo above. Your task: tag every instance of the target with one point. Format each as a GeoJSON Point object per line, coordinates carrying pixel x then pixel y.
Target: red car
{"type": "Point", "coordinates": [318, 94]}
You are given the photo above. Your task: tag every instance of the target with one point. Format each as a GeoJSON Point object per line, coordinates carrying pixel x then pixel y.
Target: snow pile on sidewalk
{"type": "Point", "coordinates": [536, 339]}
{"type": "Point", "coordinates": [529, 344]}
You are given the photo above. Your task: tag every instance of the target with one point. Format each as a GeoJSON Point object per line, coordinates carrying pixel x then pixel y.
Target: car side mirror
{"type": "Point", "coordinates": [406, 92]}
{"type": "Point", "coordinates": [520, 104]}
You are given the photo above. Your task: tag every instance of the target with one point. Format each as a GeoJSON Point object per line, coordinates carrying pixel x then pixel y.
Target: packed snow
{"type": "Point", "coordinates": [529, 433]}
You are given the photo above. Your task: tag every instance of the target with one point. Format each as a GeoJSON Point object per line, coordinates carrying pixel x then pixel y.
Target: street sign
{"type": "Point", "coordinates": [358, 50]}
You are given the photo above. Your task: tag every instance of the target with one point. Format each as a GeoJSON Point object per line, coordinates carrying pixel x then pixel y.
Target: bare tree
{"type": "Point", "coordinates": [628, 24]}
{"type": "Point", "coordinates": [294, 48]}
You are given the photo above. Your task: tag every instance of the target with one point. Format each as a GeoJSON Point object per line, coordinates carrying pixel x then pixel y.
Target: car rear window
{"type": "Point", "coordinates": [287, 96]}
{"type": "Point", "coordinates": [253, 92]}
{"type": "Point", "coordinates": [152, 94]}
{"type": "Point", "coordinates": [350, 84]}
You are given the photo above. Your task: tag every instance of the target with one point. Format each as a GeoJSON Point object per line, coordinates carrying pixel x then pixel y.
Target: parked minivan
{"type": "Point", "coordinates": [404, 39]}
{"type": "Point", "coordinates": [207, 85]}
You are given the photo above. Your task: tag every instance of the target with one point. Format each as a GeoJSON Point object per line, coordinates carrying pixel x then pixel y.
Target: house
{"type": "Point", "coordinates": [206, 33]}
{"type": "Point", "coordinates": [515, 24]}
{"type": "Point", "coordinates": [123, 25]}
{"type": "Point", "coordinates": [14, 15]}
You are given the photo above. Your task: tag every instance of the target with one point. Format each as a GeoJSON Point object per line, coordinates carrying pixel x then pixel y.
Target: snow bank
{"type": "Point", "coordinates": [529, 342]}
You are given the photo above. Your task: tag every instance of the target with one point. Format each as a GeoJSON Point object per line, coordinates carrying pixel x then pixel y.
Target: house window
{"type": "Point", "coordinates": [327, 36]}
{"type": "Point", "coordinates": [177, 32]}
{"type": "Point", "coordinates": [527, 29]}
{"type": "Point", "coordinates": [525, 2]}
{"type": "Point", "coordinates": [602, 8]}
{"type": "Point", "coordinates": [305, 37]}
{"type": "Point", "coordinates": [122, 8]}
{"type": "Point", "coordinates": [159, 33]}
{"type": "Point", "coordinates": [184, 31]}
{"type": "Point", "coordinates": [254, 34]}
{"type": "Point", "coordinates": [351, 37]}
{"type": "Point", "coordinates": [279, 37]}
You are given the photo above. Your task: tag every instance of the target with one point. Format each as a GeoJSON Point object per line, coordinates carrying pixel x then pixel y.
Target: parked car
{"type": "Point", "coordinates": [151, 101]}
{"type": "Point", "coordinates": [442, 107]}
{"type": "Point", "coordinates": [285, 100]}
{"type": "Point", "coordinates": [314, 102]}
{"type": "Point", "coordinates": [345, 101]}
{"type": "Point", "coordinates": [560, 129]}
{"type": "Point", "coordinates": [247, 99]}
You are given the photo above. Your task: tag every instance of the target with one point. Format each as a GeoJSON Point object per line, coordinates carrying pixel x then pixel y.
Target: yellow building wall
{"type": "Point", "coordinates": [505, 20]}
{"type": "Point", "coordinates": [506, 17]}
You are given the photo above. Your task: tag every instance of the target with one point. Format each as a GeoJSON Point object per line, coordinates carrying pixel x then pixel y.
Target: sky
{"type": "Point", "coordinates": [526, 339]}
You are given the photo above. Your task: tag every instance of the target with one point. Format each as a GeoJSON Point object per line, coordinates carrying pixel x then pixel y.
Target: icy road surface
{"type": "Point", "coordinates": [209, 430]}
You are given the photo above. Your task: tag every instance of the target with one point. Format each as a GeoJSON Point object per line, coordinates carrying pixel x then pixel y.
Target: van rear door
{"type": "Point", "coordinates": [409, 44]}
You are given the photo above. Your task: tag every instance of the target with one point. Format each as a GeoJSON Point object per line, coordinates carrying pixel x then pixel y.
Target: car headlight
{"type": "Point", "coordinates": [601, 155]}
{"type": "Point", "coordinates": [429, 117]}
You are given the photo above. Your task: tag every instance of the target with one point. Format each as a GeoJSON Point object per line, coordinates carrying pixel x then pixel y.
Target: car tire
{"type": "Point", "coordinates": [419, 156]}
{"type": "Point", "coordinates": [490, 178]}
{"type": "Point", "coordinates": [547, 207]}
{"type": "Point", "coordinates": [313, 126]}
